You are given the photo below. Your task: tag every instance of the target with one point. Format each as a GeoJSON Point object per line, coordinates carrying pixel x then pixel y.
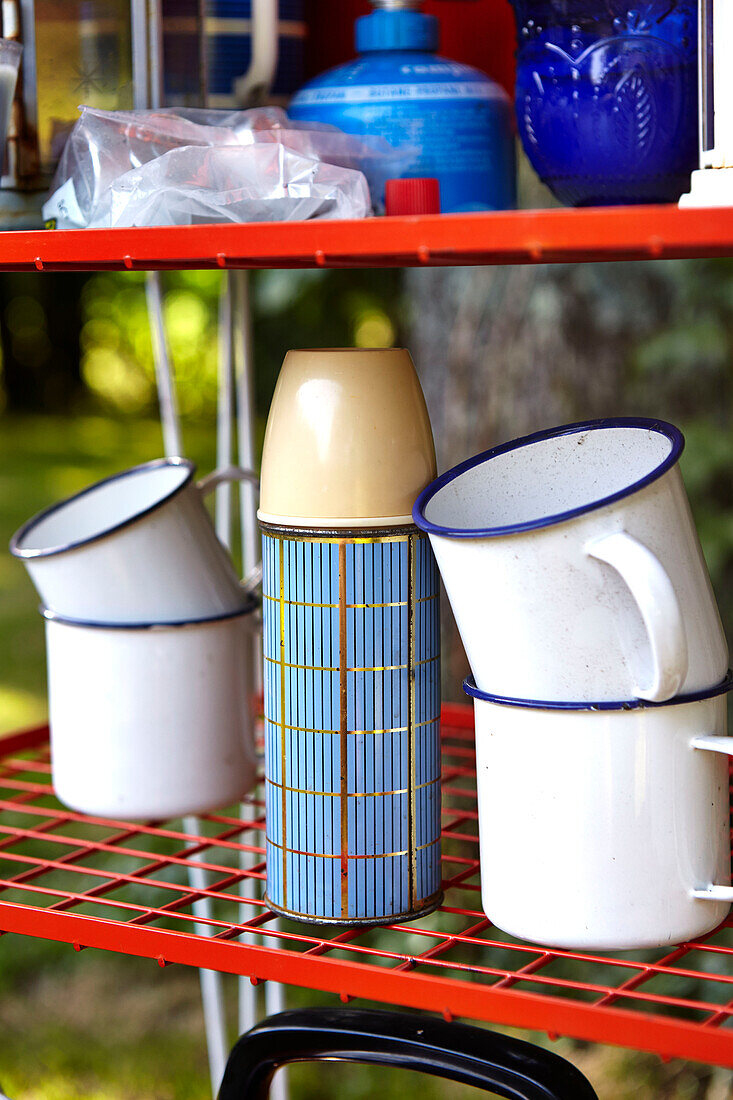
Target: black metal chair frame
{"type": "Point", "coordinates": [498, 1064]}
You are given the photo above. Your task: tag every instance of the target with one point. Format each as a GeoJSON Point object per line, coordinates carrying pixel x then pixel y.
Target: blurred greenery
{"type": "Point", "coordinates": [293, 309]}
{"type": "Point", "coordinates": [107, 1028]}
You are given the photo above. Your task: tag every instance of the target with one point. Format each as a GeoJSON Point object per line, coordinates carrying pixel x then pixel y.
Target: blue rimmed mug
{"type": "Point", "coordinates": [573, 566]}
{"type": "Point", "coordinates": [604, 826]}
{"type": "Point", "coordinates": [138, 546]}
{"type": "Point", "coordinates": [151, 719]}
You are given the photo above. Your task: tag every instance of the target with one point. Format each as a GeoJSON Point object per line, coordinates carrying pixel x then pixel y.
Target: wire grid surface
{"type": "Point", "coordinates": [93, 882]}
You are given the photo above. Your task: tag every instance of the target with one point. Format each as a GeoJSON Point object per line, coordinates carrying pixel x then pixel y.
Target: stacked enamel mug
{"type": "Point", "coordinates": [599, 663]}
{"type": "Point", "coordinates": [148, 633]}
{"type": "Point", "coordinates": [351, 642]}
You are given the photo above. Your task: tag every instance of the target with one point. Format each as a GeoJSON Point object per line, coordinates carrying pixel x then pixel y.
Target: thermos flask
{"type": "Point", "coordinates": [351, 642]}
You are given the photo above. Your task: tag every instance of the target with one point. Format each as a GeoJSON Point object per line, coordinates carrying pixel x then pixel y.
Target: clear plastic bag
{"type": "Point", "coordinates": [194, 185]}
{"type": "Point", "coordinates": [183, 166]}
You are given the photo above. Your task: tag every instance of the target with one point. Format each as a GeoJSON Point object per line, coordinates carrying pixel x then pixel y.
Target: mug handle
{"type": "Point", "coordinates": [227, 473]}
{"type": "Point", "coordinates": [655, 597]}
{"type": "Point", "coordinates": [219, 477]}
{"type": "Point", "coordinates": [724, 745]}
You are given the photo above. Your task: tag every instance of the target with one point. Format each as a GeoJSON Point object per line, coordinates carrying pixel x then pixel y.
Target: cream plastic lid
{"type": "Point", "coordinates": [348, 440]}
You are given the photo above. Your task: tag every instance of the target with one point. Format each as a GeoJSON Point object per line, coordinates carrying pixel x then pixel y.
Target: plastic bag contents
{"type": "Point", "coordinates": [367, 153]}
{"type": "Point", "coordinates": [195, 185]}
{"type": "Point", "coordinates": [184, 166]}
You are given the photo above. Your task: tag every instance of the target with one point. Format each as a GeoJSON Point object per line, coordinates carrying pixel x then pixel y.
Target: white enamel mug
{"type": "Point", "coordinates": [573, 566]}
{"type": "Point", "coordinates": [151, 721]}
{"type": "Point", "coordinates": [605, 829]}
{"type": "Point", "coordinates": [138, 547]}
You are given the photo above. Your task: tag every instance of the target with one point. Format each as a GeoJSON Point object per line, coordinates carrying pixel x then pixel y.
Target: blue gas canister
{"type": "Point", "coordinates": [454, 123]}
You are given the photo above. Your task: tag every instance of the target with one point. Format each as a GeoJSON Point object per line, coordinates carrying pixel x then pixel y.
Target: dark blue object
{"type": "Point", "coordinates": [498, 1064]}
{"type": "Point", "coordinates": [451, 122]}
{"type": "Point", "coordinates": [607, 97]}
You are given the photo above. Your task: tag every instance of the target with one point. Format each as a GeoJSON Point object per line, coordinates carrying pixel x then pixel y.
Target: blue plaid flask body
{"type": "Point", "coordinates": [352, 724]}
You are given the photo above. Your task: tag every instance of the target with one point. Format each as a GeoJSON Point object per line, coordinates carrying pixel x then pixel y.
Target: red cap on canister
{"type": "Point", "coordinates": [418, 196]}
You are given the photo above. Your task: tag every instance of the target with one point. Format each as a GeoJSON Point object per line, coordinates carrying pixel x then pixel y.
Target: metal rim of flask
{"type": "Point", "coordinates": [426, 907]}
{"type": "Point", "coordinates": [344, 534]}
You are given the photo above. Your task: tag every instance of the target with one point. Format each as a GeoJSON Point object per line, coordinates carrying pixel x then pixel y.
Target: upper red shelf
{"type": "Point", "coordinates": [516, 237]}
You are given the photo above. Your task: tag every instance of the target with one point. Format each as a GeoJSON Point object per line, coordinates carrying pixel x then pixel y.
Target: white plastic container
{"type": "Point", "coordinates": [712, 184]}
{"type": "Point", "coordinates": [605, 830]}
{"type": "Point", "coordinates": [151, 721]}
{"type": "Point", "coordinates": [573, 566]}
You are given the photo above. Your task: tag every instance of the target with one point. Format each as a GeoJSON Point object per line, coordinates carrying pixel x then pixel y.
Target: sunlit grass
{"type": "Point", "coordinates": [102, 1028]}
{"type": "Point", "coordinates": [19, 709]}
{"type": "Point", "coordinates": [117, 354]}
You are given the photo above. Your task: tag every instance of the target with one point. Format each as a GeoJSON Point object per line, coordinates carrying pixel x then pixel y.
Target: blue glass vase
{"type": "Point", "coordinates": [606, 97]}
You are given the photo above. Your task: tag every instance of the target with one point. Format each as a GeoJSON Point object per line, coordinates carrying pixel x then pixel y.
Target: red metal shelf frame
{"type": "Point", "coordinates": [516, 237]}
{"type": "Point", "coordinates": [92, 882]}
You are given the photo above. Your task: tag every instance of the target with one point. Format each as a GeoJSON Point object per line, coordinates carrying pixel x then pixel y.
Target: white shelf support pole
{"type": "Point", "coordinates": [246, 428]}
{"type": "Point", "coordinates": [167, 400]}
{"type": "Point", "coordinates": [211, 981]}
{"type": "Point", "coordinates": [155, 53]}
{"type": "Point", "coordinates": [212, 994]}
{"type": "Point", "coordinates": [225, 415]}
{"type": "Point", "coordinates": [146, 24]}
{"type": "Point", "coordinates": [237, 283]}
{"type": "Point", "coordinates": [246, 419]}
{"type": "Point", "coordinates": [140, 55]}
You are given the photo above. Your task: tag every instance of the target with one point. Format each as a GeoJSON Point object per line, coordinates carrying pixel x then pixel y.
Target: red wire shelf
{"type": "Point", "coordinates": [92, 882]}
{"type": "Point", "coordinates": [516, 237]}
